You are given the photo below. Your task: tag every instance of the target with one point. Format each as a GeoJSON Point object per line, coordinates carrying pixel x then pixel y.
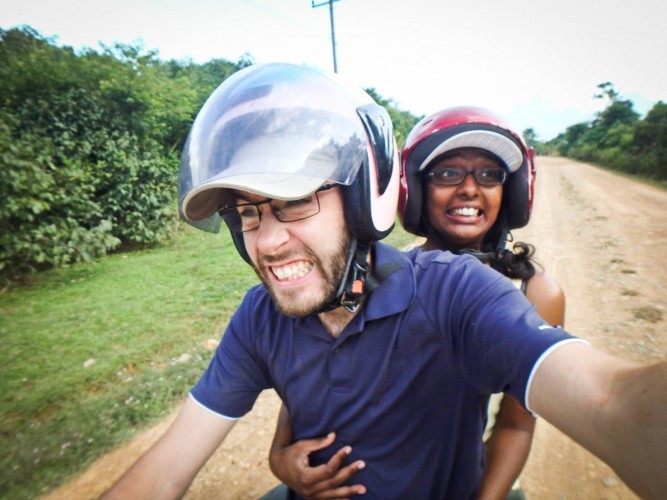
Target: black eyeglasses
{"type": "Point", "coordinates": [247, 216]}
{"type": "Point", "coordinates": [453, 176]}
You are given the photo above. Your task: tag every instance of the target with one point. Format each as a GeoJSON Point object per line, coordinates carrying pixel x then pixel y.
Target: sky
{"type": "Point", "coordinates": [537, 63]}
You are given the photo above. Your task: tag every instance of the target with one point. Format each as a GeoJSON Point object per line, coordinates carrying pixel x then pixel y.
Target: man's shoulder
{"type": "Point", "coordinates": [257, 292]}
{"type": "Point", "coordinates": [421, 263]}
{"type": "Point", "coordinates": [442, 258]}
{"type": "Point", "coordinates": [257, 303]}
{"type": "Point", "coordinates": [439, 273]}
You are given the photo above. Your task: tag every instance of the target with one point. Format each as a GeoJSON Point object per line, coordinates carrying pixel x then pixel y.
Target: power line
{"type": "Point", "coordinates": [333, 33]}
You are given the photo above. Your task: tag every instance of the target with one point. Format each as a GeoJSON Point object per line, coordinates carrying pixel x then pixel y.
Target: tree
{"type": "Point", "coordinates": [571, 138]}
{"type": "Point", "coordinates": [403, 121]}
{"type": "Point", "coordinates": [649, 144]}
{"type": "Point", "coordinates": [617, 111]}
{"type": "Point", "coordinates": [607, 90]}
{"type": "Point", "coordinates": [530, 137]}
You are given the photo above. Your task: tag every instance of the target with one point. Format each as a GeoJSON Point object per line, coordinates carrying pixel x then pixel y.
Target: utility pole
{"type": "Point", "coordinates": [333, 33]}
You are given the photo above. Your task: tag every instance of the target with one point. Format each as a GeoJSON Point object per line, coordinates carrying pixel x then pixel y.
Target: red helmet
{"type": "Point", "coordinates": [461, 127]}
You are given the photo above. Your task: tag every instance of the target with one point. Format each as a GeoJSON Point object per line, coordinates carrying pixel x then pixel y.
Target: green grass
{"type": "Point", "coordinates": [92, 353]}
{"type": "Point", "coordinates": [142, 317]}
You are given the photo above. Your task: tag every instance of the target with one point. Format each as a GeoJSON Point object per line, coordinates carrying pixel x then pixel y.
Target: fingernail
{"type": "Point", "coordinates": [361, 465]}
{"type": "Point", "coordinates": [348, 450]}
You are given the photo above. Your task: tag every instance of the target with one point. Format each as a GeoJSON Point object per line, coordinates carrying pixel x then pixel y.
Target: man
{"type": "Point", "coordinates": [466, 182]}
{"type": "Point", "coordinates": [392, 351]}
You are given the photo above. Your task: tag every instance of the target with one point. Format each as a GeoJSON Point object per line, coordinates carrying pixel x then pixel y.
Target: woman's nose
{"type": "Point", "coordinates": [469, 184]}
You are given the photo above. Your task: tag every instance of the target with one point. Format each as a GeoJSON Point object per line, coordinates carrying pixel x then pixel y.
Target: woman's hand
{"type": "Point", "coordinates": [291, 464]}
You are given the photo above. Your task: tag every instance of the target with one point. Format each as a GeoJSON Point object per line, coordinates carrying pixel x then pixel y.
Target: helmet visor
{"type": "Point", "coordinates": [247, 138]}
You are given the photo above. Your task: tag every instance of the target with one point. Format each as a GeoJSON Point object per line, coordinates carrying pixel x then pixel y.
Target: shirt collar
{"type": "Point", "coordinates": [397, 291]}
{"type": "Point", "coordinates": [392, 296]}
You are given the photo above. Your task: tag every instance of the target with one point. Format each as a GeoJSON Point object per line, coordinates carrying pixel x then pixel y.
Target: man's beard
{"type": "Point", "coordinates": [331, 267]}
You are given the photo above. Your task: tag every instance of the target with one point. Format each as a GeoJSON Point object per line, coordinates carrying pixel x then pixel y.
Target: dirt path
{"type": "Point", "coordinates": [600, 235]}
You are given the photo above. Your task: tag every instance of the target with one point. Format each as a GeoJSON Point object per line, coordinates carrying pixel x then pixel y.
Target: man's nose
{"type": "Point", "coordinates": [271, 233]}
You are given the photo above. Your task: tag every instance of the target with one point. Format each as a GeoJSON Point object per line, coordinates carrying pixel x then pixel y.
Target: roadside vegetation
{"type": "Point", "coordinates": [618, 138]}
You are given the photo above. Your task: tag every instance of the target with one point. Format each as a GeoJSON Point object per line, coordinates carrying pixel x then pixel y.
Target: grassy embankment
{"type": "Point", "coordinates": [95, 352]}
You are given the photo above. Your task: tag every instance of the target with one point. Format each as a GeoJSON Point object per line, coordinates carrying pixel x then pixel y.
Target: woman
{"type": "Point", "coordinates": [467, 181]}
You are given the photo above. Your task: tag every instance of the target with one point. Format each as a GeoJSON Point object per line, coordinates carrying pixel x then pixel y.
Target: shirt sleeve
{"type": "Point", "coordinates": [237, 374]}
{"type": "Point", "coordinates": [496, 333]}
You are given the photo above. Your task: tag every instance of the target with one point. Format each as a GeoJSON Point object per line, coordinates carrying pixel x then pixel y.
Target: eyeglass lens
{"type": "Point", "coordinates": [246, 216]}
{"type": "Point", "coordinates": [452, 176]}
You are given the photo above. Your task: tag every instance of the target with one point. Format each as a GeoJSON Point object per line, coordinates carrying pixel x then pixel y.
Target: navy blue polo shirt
{"type": "Point", "coordinates": [406, 383]}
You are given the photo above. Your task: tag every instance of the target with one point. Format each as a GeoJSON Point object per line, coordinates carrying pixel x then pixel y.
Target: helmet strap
{"type": "Point", "coordinates": [352, 289]}
{"type": "Point", "coordinates": [484, 257]}
{"type": "Point", "coordinates": [502, 243]}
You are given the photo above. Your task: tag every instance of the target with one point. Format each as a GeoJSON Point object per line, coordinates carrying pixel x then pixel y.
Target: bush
{"type": "Point", "coordinates": [88, 148]}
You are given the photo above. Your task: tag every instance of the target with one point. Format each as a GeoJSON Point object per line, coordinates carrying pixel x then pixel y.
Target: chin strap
{"type": "Point", "coordinates": [358, 281]}
{"type": "Point", "coordinates": [352, 290]}
{"type": "Point", "coordinates": [484, 257]}
{"type": "Point", "coordinates": [497, 254]}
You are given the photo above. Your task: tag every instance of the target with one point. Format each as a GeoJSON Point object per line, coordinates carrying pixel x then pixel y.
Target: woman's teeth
{"type": "Point", "coordinates": [466, 211]}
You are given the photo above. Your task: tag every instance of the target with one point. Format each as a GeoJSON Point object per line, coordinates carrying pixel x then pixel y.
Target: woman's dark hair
{"type": "Point", "coordinates": [516, 263]}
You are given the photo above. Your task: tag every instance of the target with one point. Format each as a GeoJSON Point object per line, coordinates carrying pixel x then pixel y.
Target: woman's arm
{"type": "Point", "coordinates": [549, 299]}
{"type": "Point", "coordinates": [507, 449]}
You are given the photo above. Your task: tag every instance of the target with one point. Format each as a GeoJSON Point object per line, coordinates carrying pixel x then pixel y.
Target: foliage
{"type": "Point", "coordinates": [403, 121]}
{"type": "Point", "coordinates": [530, 137]}
{"type": "Point", "coordinates": [649, 143]}
{"type": "Point", "coordinates": [89, 144]}
{"type": "Point", "coordinates": [618, 138]}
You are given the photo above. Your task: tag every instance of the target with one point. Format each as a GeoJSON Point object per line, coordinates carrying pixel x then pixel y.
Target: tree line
{"type": "Point", "coordinates": [90, 143]}
{"type": "Point", "coordinates": [618, 137]}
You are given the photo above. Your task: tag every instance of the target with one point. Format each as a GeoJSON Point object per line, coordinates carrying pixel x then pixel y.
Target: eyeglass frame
{"type": "Point", "coordinates": [466, 172]}
{"type": "Point", "coordinates": [232, 210]}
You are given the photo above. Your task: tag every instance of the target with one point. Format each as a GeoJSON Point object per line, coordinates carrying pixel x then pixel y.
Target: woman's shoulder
{"type": "Point", "coordinates": [542, 280]}
{"type": "Point", "coordinates": [545, 292]}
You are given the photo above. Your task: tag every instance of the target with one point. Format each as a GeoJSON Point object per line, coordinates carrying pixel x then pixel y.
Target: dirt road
{"type": "Point", "coordinates": [601, 236]}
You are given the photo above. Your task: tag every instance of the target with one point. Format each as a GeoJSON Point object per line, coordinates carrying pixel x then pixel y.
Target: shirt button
{"type": "Point", "coordinates": [336, 350]}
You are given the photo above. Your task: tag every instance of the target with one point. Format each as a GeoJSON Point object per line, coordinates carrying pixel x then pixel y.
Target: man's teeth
{"type": "Point", "coordinates": [467, 211]}
{"type": "Point", "coordinates": [293, 271]}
